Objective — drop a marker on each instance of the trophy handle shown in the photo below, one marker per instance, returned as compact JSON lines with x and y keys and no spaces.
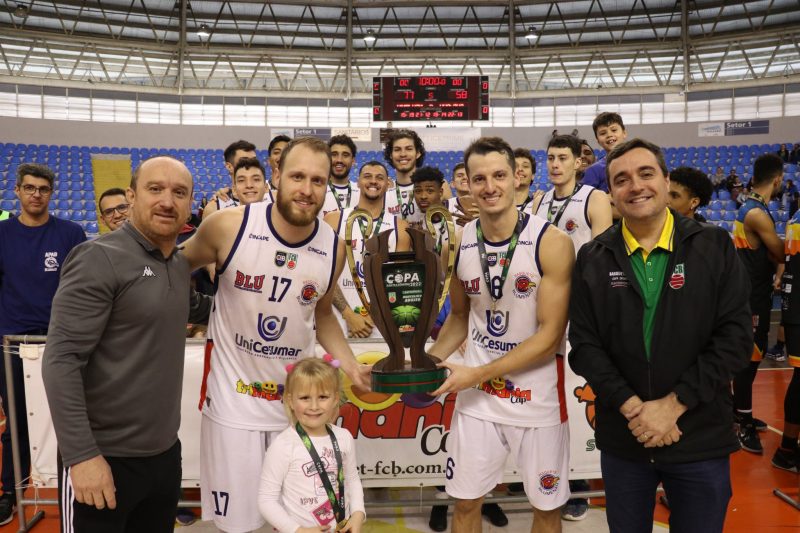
{"x":348,"y":247}
{"x":451,"y":245}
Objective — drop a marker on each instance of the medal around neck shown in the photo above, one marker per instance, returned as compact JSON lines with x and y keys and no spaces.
{"x":405,"y":290}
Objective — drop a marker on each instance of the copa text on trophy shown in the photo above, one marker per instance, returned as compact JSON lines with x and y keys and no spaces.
{"x":406,"y":292}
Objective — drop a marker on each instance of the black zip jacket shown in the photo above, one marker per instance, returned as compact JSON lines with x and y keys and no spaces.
{"x":702,"y":336}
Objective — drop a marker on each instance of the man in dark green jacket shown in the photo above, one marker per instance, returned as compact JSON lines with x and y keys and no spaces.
{"x":659,"y":322}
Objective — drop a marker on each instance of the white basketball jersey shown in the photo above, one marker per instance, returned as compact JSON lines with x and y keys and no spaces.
{"x":268,"y":196}
{"x":263,"y":319}
{"x":224,"y":204}
{"x":532,"y":397}
{"x":388,"y":223}
{"x":574,"y":220}
{"x":342,"y":196}
{"x":400,"y":201}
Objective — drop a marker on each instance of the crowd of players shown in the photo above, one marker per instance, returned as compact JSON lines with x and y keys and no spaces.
{"x":256,"y":228}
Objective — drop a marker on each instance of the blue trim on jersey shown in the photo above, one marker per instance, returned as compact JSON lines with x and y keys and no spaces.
{"x":341,"y":219}
{"x":536,"y":252}
{"x":280,"y":239}
{"x":331,"y":281}
{"x":586,"y":206}
{"x":221,"y":270}
{"x":526,"y":218}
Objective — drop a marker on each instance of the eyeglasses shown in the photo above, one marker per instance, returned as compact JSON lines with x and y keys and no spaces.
{"x":29,"y":189}
{"x":121,"y":209}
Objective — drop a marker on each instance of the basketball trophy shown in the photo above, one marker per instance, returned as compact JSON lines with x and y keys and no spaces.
{"x":406,"y":292}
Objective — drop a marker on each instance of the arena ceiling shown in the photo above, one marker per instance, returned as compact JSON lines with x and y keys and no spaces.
{"x":316,"y":49}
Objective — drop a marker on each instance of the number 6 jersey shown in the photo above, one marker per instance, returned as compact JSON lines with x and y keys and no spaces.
{"x":263,"y":319}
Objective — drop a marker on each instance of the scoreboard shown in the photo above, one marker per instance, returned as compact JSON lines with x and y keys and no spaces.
{"x":433,"y":98}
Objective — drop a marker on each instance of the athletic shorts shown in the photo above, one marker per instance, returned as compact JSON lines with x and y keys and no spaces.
{"x":478,"y":453}
{"x":230,"y":473}
{"x":792,"y":333}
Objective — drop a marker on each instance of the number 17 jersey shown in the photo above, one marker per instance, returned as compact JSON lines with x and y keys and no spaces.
{"x":263,"y":319}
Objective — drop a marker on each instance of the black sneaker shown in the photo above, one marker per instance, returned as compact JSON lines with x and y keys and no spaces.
{"x":786,"y":460}
{"x":438,"y":520}
{"x":495,"y":515}
{"x":8,"y":505}
{"x":759,"y":424}
{"x":775,"y":354}
{"x":748,"y":438}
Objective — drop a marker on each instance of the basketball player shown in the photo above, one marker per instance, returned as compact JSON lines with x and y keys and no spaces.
{"x":276,"y":263}
{"x":373,"y":181}
{"x":341,"y":192}
{"x":461,"y":206}
{"x":577,"y":209}
{"x":511,"y":268}
{"x":233,"y":153}
{"x":404,"y":151}
{"x":526,"y":168}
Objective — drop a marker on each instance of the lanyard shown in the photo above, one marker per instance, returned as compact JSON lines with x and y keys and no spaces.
{"x":400,"y":200}
{"x":376,"y":227}
{"x":524,"y":204}
{"x":336,"y":196}
{"x":561,"y":208}
{"x":495,"y":285}
{"x":337,"y":504}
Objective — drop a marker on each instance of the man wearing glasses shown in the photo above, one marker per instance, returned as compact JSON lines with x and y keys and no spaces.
{"x":33,"y":246}
{"x":113,"y":208}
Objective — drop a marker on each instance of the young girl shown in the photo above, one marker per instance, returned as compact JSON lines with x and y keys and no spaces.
{"x":293,"y":497}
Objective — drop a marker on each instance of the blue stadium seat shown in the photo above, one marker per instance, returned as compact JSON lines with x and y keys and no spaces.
{"x":729,"y":216}
{"x":715,"y":205}
{"x":724,"y":195}
{"x":77,"y":216}
{"x":91,"y":228}
{"x":7,"y":205}
{"x":780,"y":228}
{"x":727,"y":226}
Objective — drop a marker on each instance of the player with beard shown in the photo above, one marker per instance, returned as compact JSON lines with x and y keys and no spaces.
{"x":341,"y":192}
{"x":224,"y":199}
{"x":276,"y":266}
{"x":373,"y":181}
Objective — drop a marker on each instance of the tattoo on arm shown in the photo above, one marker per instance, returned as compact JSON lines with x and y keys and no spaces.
{"x":339,"y":301}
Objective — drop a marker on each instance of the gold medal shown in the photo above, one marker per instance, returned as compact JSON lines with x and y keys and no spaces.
{"x":341,"y":525}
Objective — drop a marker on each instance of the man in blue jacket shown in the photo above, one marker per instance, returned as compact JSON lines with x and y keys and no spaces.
{"x":659,"y":322}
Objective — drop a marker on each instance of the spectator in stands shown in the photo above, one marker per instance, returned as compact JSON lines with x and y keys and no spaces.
{"x":784,"y":154}
{"x":33,"y":246}
{"x":233,"y":153}
{"x":790,"y":197}
{"x":276,"y":147}
{"x":114,"y":361}
{"x":760,"y":249}
{"x":609,"y":131}
{"x":732,"y":181}
{"x":718,"y":181}
{"x":587,"y":159}
{"x":795,"y":155}
{"x":689,"y":189}
{"x":113,"y":208}
{"x":662,"y":411}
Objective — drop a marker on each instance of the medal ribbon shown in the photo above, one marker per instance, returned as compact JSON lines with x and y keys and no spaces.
{"x":400,"y":200}
{"x":337,"y":504}
{"x":496,"y":292}
{"x":336,"y":196}
{"x":561,"y":208}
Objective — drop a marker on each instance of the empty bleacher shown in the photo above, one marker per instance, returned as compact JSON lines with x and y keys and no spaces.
{"x":74,"y":197}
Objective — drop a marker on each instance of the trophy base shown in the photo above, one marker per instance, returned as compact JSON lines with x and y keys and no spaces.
{"x":408,"y":380}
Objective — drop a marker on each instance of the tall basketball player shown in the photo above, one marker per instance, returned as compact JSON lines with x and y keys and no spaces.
{"x":276,"y":265}
{"x":511,"y":268}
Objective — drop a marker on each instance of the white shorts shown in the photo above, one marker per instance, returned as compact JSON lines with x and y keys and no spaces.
{"x":230,"y":473}
{"x":478,"y":453}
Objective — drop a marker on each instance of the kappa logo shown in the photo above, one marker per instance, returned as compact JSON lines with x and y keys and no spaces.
{"x":678,"y":278}
{"x":148,"y":272}
{"x":271,"y":328}
{"x":524,"y":285}
{"x":497,"y":322}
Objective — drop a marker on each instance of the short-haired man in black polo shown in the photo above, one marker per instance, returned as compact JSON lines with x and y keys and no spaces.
{"x":663,"y":409}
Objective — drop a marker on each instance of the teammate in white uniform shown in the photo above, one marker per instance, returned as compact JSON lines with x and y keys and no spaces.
{"x":275,"y":266}
{"x":372,"y":183}
{"x":404,"y":151}
{"x":342,"y":193}
{"x":579,"y":210}
{"x":509,"y":302}
{"x":526,"y":168}
{"x":233,"y":153}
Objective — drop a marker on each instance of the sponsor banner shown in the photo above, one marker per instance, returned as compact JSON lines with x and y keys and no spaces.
{"x":711,"y":129}
{"x":401,"y":439}
{"x":274,"y":132}
{"x":357,"y":134}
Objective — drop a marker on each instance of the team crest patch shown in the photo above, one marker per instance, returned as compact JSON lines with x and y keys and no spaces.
{"x":491,"y":259}
{"x":309,"y":293}
{"x":291,"y":261}
{"x":280,"y":258}
{"x":548,"y":482}
{"x":678,"y":278}
{"x":524,"y":285}
{"x":571,"y":225}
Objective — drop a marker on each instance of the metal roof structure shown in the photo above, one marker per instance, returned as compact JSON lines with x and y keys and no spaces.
{"x":316,"y":49}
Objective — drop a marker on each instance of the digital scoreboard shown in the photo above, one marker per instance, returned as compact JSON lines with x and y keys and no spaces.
{"x":430,"y":98}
